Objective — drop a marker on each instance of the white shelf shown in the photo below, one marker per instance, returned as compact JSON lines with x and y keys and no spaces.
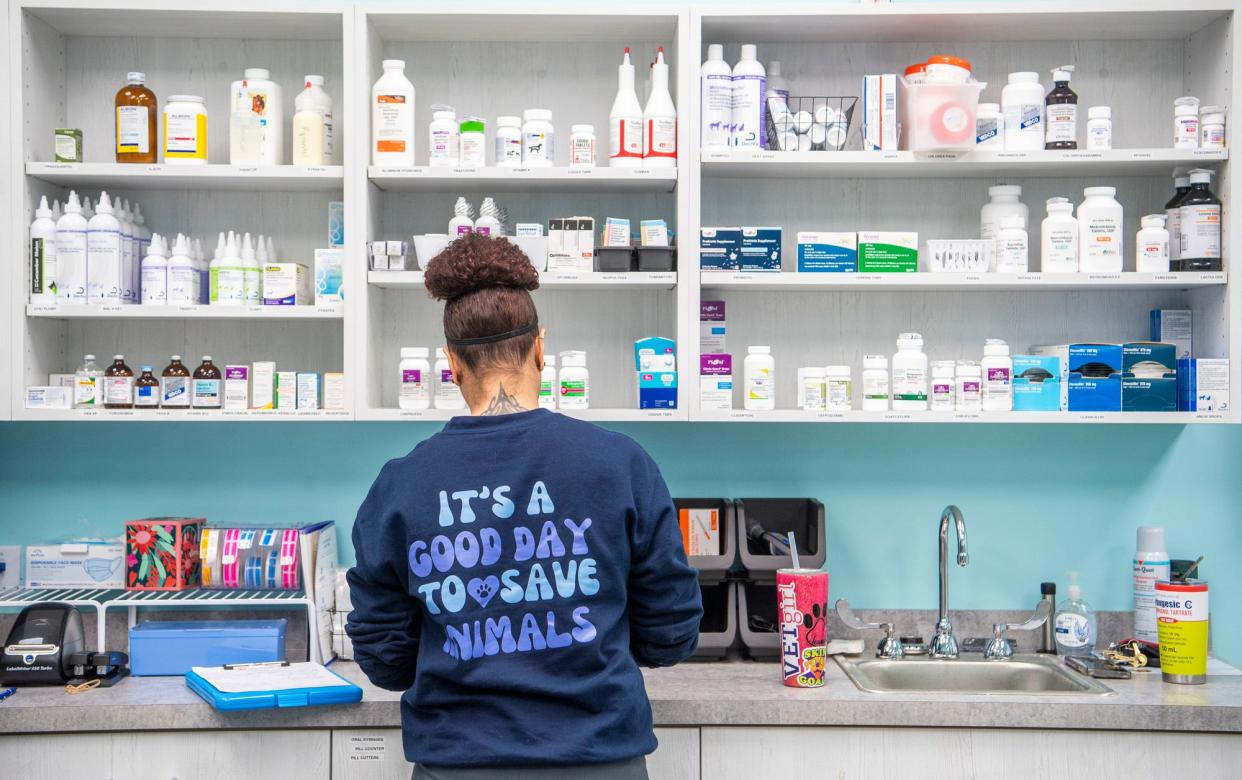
{"x":979,"y":163}
{"x":858,"y":416}
{"x":954,"y":282}
{"x":96,"y":311}
{"x":493,"y":179}
{"x":177,"y":415}
{"x":246,"y":178}
{"x":592,"y":415}
{"x":549,"y":280}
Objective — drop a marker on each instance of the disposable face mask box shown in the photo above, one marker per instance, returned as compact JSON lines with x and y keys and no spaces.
{"x":286,"y":284}
{"x":712,"y":327}
{"x":886,"y":253}
{"x":761,"y":249}
{"x":716,"y":382}
{"x":328,"y":267}
{"x":1203,"y":385}
{"x":1148,"y":377}
{"x":1174,"y":326}
{"x":78,"y":565}
{"x":1061,"y":353}
{"x":720,"y":248}
{"x":1036,"y":383}
{"x":828,"y":252}
{"x":880,"y":112}
{"x":1094,"y":377}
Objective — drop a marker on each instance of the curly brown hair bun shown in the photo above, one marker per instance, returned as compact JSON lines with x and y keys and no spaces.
{"x":485,"y":283}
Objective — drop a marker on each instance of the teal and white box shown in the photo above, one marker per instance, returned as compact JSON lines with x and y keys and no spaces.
{"x":657,"y":389}
{"x":827,"y":252}
{"x":1148,"y":377}
{"x":1061,"y":353}
{"x":336,"y":223}
{"x":1203,"y":385}
{"x":761,"y":249}
{"x":720,"y":248}
{"x":329,"y":265}
{"x":655,"y":353}
{"x":1036,"y":383}
{"x":1094,"y":377}
{"x":1174,"y":326}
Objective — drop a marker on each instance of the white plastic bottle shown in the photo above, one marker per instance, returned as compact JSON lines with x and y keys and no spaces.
{"x":547,"y":383}
{"x":942,"y":389}
{"x":1099,"y":127}
{"x":1186,"y":123}
{"x":989,"y":127}
{"x":228,"y":278}
{"x":142,"y":243}
{"x":185,"y":131}
{"x":538,"y":138}
{"x":776,"y":84}
{"x":472,"y":142}
{"x":313,"y":131}
{"x":443,"y":138}
{"x":625,"y":120}
{"x":1211,"y":127}
{"x":748,"y":129}
{"x":203,"y":266}
{"x":392,"y":117}
{"x":508,"y":142}
{"x":447,"y":393}
{"x":182,"y":275}
{"x":582,"y":146}
{"x":1022,"y":103}
{"x":461,"y":223}
{"x":1075,"y":623}
{"x":43,"y":255}
{"x":759,"y":371}
{"x":251,"y":269}
{"x":245,"y":126}
{"x":1151,"y":564}
{"x":71,"y":253}
{"x":909,"y":385}
{"x":1151,"y":252}
{"x":1101,"y":243}
{"x":574,"y":381}
{"x":103,"y":254}
{"x":1012,"y":251}
{"x":716,"y":100}
{"x":256,"y":110}
{"x":968,"y":386}
{"x":1004,"y":203}
{"x":488,"y":223}
{"x":997,"y":370}
{"x":660,"y":119}
{"x":129,"y":257}
{"x":155,"y":274}
{"x":1059,"y":241}
{"x":415,"y":376}
{"x":875,"y":383}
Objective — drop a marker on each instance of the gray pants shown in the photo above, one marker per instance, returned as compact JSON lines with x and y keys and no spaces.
{"x":633,"y":769}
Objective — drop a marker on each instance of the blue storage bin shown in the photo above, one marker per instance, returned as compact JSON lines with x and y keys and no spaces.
{"x":172,"y":647}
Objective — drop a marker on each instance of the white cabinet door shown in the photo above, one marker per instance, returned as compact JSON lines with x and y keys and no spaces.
{"x":677,"y":757}
{"x":165,"y":755}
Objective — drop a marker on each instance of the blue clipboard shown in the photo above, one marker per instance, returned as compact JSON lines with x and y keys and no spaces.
{"x":346,"y":693}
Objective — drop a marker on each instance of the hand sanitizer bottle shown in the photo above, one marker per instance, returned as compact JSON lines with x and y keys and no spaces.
{"x":1075,"y":623}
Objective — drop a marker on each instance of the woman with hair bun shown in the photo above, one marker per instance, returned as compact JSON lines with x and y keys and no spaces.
{"x":517,"y":568}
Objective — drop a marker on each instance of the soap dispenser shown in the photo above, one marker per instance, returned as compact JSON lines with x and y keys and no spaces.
{"x":1075,"y":622}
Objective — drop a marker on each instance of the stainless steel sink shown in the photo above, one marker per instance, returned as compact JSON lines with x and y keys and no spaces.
{"x":1023,"y":674}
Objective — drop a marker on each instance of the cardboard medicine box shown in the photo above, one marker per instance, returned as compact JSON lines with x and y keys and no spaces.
{"x":716,"y":382}
{"x":75,"y":565}
{"x":162,"y":553}
{"x":1203,"y":385}
{"x":1094,"y":377}
{"x":712,"y":327}
{"x":1148,"y":377}
{"x":888,"y":252}
{"x":761,"y":249}
{"x":1036,"y":383}
{"x":827,"y":252}
{"x":720,"y":248}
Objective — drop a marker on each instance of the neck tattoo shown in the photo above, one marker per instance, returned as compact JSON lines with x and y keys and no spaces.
{"x":503,"y":403}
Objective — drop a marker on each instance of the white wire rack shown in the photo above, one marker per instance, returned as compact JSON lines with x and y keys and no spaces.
{"x":102,"y":600}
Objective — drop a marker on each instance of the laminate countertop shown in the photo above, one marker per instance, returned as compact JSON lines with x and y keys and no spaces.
{"x":731,"y":693}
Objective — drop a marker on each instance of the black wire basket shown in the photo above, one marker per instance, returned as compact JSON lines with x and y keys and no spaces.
{"x":810,"y":123}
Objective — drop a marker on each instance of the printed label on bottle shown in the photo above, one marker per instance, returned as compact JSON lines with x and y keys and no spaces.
{"x":661,"y":138}
{"x":987,"y":132}
{"x":391,"y":115}
{"x":103,"y":269}
{"x":118,"y":390}
{"x":1099,"y":137}
{"x":1011,"y":256}
{"x":749,"y":110}
{"x":1154,"y":251}
{"x":206,"y":393}
{"x":43,"y":267}
{"x":154,"y":285}
{"x":86,"y":391}
{"x":228,"y":284}
{"x":1213,"y":137}
{"x":1146,"y":574}
{"x":1072,"y":629}
{"x":717,"y":109}
{"x":412,"y":386}
{"x":71,"y":264}
{"x":131,"y":130}
{"x":909,"y":384}
{"x":176,"y":391}
{"x":875,"y":388}
{"x":185,"y":135}
{"x":1030,"y":115}
{"x":1061,"y":249}
{"x":65,"y":147}
{"x":444,"y":146}
{"x":146,"y":395}
{"x":508,"y":150}
{"x":572,"y":389}
{"x":998,"y":381}
{"x":538,"y":147}
{"x":1062,"y":122}
{"x":448,"y":395}
{"x":968,"y":394}
{"x":1186,"y":132}
{"x":545,"y":391}
{"x":759,"y":385}
{"x":1200,"y":230}
{"x":582,"y":150}
{"x":1102,"y":240}
{"x":1173,"y":222}
{"x":626,"y":138}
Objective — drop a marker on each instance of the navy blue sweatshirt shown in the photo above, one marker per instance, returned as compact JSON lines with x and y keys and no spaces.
{"x":512,"y":574}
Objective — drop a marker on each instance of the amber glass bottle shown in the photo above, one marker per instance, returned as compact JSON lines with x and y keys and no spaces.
{"x":136,"y":111}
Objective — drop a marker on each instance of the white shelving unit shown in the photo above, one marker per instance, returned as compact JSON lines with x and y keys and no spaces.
{"x":66,"y":59}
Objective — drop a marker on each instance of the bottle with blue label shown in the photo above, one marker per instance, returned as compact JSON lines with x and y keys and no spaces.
{"x":1151,"y":565}
{"x":1075,"y":623}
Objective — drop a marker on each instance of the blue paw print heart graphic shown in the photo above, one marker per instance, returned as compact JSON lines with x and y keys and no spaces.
{"x":482,"y":590}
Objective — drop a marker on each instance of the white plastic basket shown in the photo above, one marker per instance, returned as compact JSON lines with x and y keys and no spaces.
{"x":960,"y":255}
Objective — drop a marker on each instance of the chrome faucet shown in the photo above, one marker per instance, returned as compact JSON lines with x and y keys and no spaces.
{"x":944,"y":643}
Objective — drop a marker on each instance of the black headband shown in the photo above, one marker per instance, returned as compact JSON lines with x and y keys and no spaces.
{"x":522,"y":331}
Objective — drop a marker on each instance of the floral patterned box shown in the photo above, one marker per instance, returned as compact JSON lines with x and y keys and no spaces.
{"x":162,"y":553}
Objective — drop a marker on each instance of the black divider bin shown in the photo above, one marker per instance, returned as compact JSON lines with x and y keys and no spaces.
{"x":718,"y":629}
{"x":803,"y":516}
{"x":712,"y":568}
{"x":757,"y":621}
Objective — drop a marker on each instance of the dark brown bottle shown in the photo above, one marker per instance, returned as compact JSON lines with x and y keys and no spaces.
{"x":176,"y":385}
{"x":206,"y":387}
{"x":118,"y":385}
{"x":146,"y":389}
{"x":1062,"y":112}
{"x":136,"y":111}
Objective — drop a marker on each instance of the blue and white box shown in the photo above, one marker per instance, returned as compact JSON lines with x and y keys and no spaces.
{"x":657,"y":389}
{"x":336,"y":223}
{"x":827,"y":252}
{"x":1174,"y":326}
{"x":1036,"y":383}
{"x":1061,"y":353}
{"x":761,"y":249}
{"x":1203,"y":385}
{"x":716,"y":382}
{"x":720,"y":248}
{"x":1094,"y":377}
{"x":655,"y":353}
{"x":1148,"y":377}
{"x":329,"y":267}
{"x":76,"y":565}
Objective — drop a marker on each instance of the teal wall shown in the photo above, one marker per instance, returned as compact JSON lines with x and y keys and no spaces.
{"x":1038,"y":499}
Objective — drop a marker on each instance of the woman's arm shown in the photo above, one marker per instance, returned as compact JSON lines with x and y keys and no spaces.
{"x":665,"y":604}
{"x":385,"y":622}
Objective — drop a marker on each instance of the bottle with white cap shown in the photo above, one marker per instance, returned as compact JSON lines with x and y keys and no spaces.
{"x":1151,"y":564}
{"x":997,"y":370}
{"x":715,"y":100}
{"x":1099,"y":127}
{"x":251,"y":269}
{"x":182,"y":275}
{"x":759,"y":371}
{"x":228,"y":280}
{"x":103,"y":254}
{"x":260,"y":97}
{"x":909,"y":385}
{"x":415,"y":375}
{"x":749,"y":129}
{"x":1151,"y":254}
{"x":1012,"y":252}
{"x":155,"y":274}
{"x":1062,"y":111}
{"x":1059,"y":238}
{"x":1101,"y":243}
{"x":547,"y":383}
{"x":1186,"y":122}
{"x":447,"y":394}
{"x":1004,"y":202}
{"x":625,"y":120}
{"x":71,"y":253}
{"x":1022,"y":102}
{"x":660,"y":119}
{"x":1200,"y":225}
{"x":43,"y":255}
{"x":574,"y":381}
{"x":392,"y":117}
